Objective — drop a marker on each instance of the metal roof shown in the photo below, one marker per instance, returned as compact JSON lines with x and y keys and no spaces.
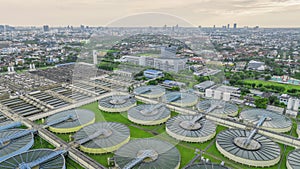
{"x":182,"y":97}
{"x":164,"y":155}
{"x":117,"y":101}
{"x":112,"y":135}
{"x":274,"y":120}
{"x":57,"y":162}
{"x":149,"y":112}
{"x":149,"y":90}
{"x":82,"y":117}
{"x":268,"y":150}
{"x":14,"y":145}
{"x":177,"y":125}
{"x":220,"y":107}
{"x":293,"y":159}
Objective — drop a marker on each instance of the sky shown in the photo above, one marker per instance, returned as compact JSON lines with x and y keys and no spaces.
{"x":264,"y":13}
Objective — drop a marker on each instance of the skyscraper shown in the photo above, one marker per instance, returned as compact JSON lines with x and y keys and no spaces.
{"x":234,"y":25}
{"x":46,"y":28}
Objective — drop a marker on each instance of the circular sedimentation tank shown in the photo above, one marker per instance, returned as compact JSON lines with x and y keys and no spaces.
{"x":80,"y":118}
{"x":160,"y":154}
{"x":150,"y":91}
{"x":57,"y":162}
{"x":293,"y":159}
{"x":207,"y":166}
{"x":109,"y":137}
{"x":274,"y":121}
{"x":218,"y":108}
{"x":149,"y":114}
{"x":259,"y":152}
{"x":191,"y":128}
{"x":11,"y":147}
{"x":180,"y":99}
{"x":117,"y":103}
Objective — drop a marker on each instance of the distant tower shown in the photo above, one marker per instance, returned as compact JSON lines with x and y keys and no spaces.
{"x":234,"y":25}
{"x":95,"y":60}
{"x":82,"y":27}
{"x":214,"y":26}
{"x":228,"y":26}
{"x":46,"y":28}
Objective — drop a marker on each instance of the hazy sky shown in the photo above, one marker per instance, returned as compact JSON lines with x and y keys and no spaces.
{"x":266,"y":13}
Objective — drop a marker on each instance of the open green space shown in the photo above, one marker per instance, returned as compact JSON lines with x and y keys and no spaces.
{"x":266,"y":83}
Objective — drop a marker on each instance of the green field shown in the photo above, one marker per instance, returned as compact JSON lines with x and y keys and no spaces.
{"x":286,"y":86}
{"x":186,"y":149}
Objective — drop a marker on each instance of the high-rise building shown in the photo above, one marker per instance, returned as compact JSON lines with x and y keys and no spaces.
{"x":168,"y":52}
{"x":1,"y":28}
{"x":234,"y":25}
{"x":46,"y":28}
{"x":228,"y":26}
{"x":95,"y":55}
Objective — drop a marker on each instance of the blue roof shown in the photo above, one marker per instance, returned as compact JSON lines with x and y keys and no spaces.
{"x":152,"y":71}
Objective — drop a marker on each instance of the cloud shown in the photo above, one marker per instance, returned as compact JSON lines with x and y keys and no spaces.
{"x":101,"y":12}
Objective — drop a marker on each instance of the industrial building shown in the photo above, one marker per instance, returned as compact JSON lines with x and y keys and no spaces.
{"x":180,"y":99}
{"x":147,"y":114}
{"x":117,"y":103}
{"x":147,"y":154}
{"x":292,"y":108}
{"x":204,"y":85}
{"x":172,"y":64}
{"x":248,"y":148}
{"x":150,"y":91}
{"x":103,"y":137}
{"x":273,"y":121}
{"x":70,"y":121}
{"x":222,"y":92}
{"x":151,"y":74}
{"x":22,"y":107}
{"x":191,"y":128}
{"x":218,"y":108}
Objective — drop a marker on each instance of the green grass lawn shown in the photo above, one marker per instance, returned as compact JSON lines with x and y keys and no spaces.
{"x":293,"y":131}
{"x":286,"y":86}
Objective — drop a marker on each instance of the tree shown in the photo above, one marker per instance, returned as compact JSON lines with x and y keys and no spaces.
{"x":261,"y":103}
{"x":152,"y":82}
{"x":267,"y":78}
{"x":272,"y":99}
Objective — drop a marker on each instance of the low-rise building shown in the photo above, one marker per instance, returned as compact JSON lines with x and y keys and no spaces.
{"x":284,"y":98}
{"x":151,"y":74}
{"x":204,"y":85}
{"x":256,"y":65}
{"x":170,"y":83}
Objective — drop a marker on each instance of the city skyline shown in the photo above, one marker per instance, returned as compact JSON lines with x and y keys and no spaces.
{"x":265,"y":13}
